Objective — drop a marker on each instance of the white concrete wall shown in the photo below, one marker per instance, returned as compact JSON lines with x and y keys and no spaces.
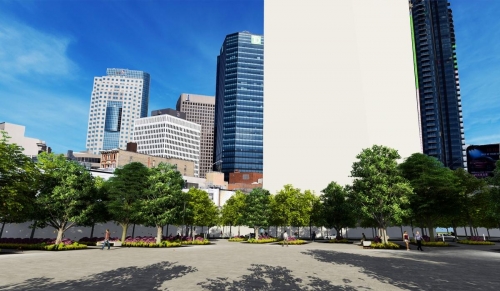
{"x":338,"y":78}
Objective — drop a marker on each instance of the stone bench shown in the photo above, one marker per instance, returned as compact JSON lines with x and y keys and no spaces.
{"x":367,"y":244}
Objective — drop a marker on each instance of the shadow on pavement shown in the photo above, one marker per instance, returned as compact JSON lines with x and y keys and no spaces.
{"x":416,"y":271}
{"x":131,"y":278}
{"x":265,"y":277}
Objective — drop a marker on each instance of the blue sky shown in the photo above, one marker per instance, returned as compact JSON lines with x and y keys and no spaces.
{"x":50,"y":51}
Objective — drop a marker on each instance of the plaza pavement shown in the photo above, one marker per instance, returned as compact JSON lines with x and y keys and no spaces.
{"x":240,"y":266}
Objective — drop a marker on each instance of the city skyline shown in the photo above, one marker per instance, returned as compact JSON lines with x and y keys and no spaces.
{"x":51,"y":54}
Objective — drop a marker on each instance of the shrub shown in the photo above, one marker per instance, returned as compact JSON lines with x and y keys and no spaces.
{"x":293,"y":242}
{"x":44,"y":246}
{"x":474,"y":242}
{"x":388,"y":245}
{"x":237,"y":239}
{"x":433,"y":244}
{"x":198,"y":241}
{"x":262,"y":241}
{"x":163,"y":244}
{"x":344,"y":240}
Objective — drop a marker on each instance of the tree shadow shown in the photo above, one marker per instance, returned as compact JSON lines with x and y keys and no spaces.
{"x":419,"y":272}
{"x":265,"y":277}
{"x":130,"y":278}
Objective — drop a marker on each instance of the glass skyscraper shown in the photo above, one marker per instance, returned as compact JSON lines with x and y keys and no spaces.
{"x":117,"y":100}
{"x":437,"y":81}
{"x":239,"y":103}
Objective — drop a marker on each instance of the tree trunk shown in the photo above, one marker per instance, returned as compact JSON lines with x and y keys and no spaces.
{"x":454,"y":229}
{"x":60,"y":233}
{"x":465,"y":229}
{"x":92,"y":231}
{"x":310,"y":231}
{"x":401,"y":230}
{"x":230,"y":231}
{"x":239,"y":231}
{"x":159,"y":233}
{"x":431,"y":232}
{"x":1,"y":231}
{"x":487,"y":230}
{"x":255,"y":229}
{"x":384,"y":235}
{"x":133,"y":230}
{"x":124,"y":231}
{"x":276,"y":231}
{"x":33,"y":229}
{"x":166,"y":233}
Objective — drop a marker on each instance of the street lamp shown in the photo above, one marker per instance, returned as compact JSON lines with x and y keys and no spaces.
{"x":218,"y":162}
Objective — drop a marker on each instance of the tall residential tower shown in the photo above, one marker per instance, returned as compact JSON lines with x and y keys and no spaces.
{"x":239,"y":103}
{"x":437,"y":85}
{"x":117,"y":100}
{"x":201,"y":110}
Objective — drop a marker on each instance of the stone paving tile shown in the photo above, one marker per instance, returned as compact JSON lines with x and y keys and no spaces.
{"x":237,"y":266}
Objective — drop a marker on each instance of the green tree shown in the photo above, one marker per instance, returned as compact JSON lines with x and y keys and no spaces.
{"x":257,"y":211}
{"x":232,"y":210}
{"x":18,"y":183}
{"x":379,"y":191}
{"x":338,"y":210}
{"x":66,"y":194}
{"x":126,"y":190}
{"x":163,"y":199}
{"x":98,"y":211}
{"x":436,"y":190}
{"x":204,"y":210}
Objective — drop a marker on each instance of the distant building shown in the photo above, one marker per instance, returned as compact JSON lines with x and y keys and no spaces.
{"x":85,"y":158}
{"x":245,"y":181}
{"x":239,"y":103}
{"x":32,"y":146}
{"x":167,"y":136}
{"x":438,"y":83}
{"x":169,"y":111}
{"x":112,"y":159}
{"x":201,"y":110}
{"x":117,"y":100}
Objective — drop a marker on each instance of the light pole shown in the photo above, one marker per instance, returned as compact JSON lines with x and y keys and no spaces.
{"x":218,"y":162}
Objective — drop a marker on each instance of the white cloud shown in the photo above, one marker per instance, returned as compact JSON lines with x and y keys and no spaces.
{"x":25,"y":50}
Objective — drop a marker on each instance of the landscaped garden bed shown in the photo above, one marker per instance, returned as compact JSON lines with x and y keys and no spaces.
{"x":293,"y":241}
{"x":339,"y":241}
{"x":238,"y":239}
{"x":388,"y":245}
{"x":432,"y":244}
{"x":40,"y":244}
{"x":475,"y":240}
{"x":171,"y":241}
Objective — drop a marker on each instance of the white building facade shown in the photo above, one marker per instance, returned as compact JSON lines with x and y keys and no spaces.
{"x":117,"y":100}
{"x":355,"y":89}
{"x":32,"y":146}
{"x":169,"y":137}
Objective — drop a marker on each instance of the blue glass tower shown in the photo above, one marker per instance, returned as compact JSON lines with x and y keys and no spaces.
{"x":437,"y":81}
{"x":239,"y":103}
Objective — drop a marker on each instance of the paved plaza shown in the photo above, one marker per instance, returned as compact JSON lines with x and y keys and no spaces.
{"x":240,"y":266}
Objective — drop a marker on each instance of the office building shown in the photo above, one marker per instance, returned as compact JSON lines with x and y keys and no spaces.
{"x":201,"y":110}
{"x":239,"y":103}
{"x":332,"y":93}
{"x":438,"y":84}
{"x":31,"y":146}
{"x":169,"y":137}
{"x":117,"y":100}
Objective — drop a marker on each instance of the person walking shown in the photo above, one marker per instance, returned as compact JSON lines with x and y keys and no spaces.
{"x":285,"y":239}
{"x":419,"y":238}
{"x":363,"y":238}
{"x":314,"y":236}
{"x":106,"y":240}
{"x":406,"y":239}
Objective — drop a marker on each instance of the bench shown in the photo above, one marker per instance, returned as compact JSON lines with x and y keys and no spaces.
{"x":112,"y":243}
{"x":367,"y":244}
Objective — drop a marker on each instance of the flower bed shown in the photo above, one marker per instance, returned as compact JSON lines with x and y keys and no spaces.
{"x":197,"y":241}
{"x":163,"y":244}
{"x":43,"y":246}
{"x":237,"y":239}
{"x":262,"y":240}
{"x":475,"y":242}
{"x":339,"y":241}
{"x":293,"y":241}
{"x":92,"y":241}
{"x":432,"y":244}
{"x":388,"y":245}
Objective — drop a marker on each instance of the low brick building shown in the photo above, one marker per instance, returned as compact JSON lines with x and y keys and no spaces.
{"x":118,"y":158}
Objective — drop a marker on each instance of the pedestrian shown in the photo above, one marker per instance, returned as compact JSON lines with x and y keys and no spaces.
{"x":363,"y":238}
{"x":406,"y":239}
{"x":313,"y":235}
{"x":285,"y":239}
{"x":106,"y":240}
{"x":418,"y":238}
